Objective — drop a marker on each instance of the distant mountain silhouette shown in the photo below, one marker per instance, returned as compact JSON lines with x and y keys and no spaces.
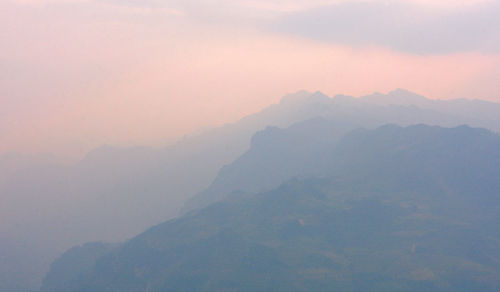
{"x":114,"y":193}
{"x":340,"y":114}
{"x":481,"y":113}
{"x":399,"y":209}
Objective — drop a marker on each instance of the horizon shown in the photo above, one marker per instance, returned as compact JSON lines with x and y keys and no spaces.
{"x":77,"y":74}
{"x":73,"y":158}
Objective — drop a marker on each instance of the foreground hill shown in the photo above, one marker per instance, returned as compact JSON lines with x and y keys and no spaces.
{"x":401,"y":209}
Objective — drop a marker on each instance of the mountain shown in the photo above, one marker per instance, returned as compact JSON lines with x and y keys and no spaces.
{"x":401,"y":209}
{"x":480,"y":113}
{"x":76,"y":260}
{"x":342,"y":114}
{"x":275,"y":156}
{"x":113,"y":193}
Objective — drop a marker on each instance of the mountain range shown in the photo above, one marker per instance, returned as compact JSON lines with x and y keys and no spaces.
{"x":113,"y":194}
{"x":391,"y":209}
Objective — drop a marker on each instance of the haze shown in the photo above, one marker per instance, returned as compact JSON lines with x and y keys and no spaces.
{"x":135,"y":133}
{"x":77,"y":74}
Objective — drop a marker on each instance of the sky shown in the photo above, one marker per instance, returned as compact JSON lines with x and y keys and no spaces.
{"x":77,"y":74}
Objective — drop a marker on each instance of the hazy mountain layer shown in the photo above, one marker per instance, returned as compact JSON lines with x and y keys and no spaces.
{"x":277,"y":155}
{"x":402,"y":209}
{"x":113,"y":194}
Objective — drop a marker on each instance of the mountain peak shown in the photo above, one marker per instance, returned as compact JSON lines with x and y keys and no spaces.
{"x":398,"y":91}
{"x":303,"y":96}
{"x":406,"y":94}
{"x":398,"y":96}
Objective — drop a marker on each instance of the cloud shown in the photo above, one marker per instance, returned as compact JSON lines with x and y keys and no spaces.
{"x":406,"y":27}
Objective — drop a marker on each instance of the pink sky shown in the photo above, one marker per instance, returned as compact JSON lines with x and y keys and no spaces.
{"x":78,"y":74}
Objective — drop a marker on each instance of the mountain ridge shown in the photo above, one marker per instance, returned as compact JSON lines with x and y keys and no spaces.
{"x":116,"y":193}
{"x":335,"y":231}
